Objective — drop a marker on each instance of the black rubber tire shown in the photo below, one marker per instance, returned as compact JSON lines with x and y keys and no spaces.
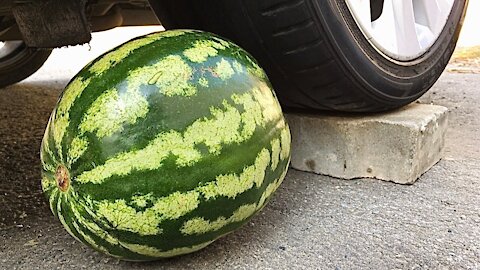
{"x":21,"y":63}
{"x":314,"y":53}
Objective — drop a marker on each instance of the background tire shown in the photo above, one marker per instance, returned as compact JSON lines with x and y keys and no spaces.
{"x":315,"y":53}
{"x":17,"y":61}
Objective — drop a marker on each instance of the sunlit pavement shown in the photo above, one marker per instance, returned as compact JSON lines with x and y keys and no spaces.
{"x":470,"y":35}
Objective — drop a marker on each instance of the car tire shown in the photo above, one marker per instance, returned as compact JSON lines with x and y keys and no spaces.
{"x":315,"y":53}
{"x":17,"y":61}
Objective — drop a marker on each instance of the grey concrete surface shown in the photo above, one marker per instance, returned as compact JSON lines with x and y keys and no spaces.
{"x":397,"y":146}
{"x":313,"y":222}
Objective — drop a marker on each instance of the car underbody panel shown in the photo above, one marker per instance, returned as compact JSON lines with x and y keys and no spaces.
{"x":52,"y":23}
{"x":57,"y":23}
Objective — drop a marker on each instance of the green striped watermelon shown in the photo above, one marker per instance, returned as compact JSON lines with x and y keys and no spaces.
{"x":163,"y":145}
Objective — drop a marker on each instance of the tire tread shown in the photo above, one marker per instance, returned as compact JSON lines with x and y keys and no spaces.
{"x":339,"y":94}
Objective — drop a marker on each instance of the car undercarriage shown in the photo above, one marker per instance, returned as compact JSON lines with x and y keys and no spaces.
{"x":56,"y":23}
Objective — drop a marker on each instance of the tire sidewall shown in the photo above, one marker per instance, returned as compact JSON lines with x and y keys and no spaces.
{"x":22,"y":63}
{"x":385,"y":78}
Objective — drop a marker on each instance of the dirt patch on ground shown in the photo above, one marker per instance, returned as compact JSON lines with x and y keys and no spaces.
{"x":465,"y":60}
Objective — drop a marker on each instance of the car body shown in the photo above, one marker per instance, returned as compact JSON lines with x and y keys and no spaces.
{"x":352,"y":55}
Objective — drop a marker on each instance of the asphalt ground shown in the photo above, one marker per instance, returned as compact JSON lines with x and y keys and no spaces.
{"x":313,"y":222}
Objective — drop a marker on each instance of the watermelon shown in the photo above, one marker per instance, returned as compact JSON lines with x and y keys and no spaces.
{"x":162,"y":145}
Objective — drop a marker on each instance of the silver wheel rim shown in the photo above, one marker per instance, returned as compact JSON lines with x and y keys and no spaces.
{"x":8,"y":47}
{"x":406,"y":29}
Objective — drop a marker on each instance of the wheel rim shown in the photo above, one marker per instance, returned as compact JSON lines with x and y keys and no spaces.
{"x":7,"y":48}
{"x":401,"y":29}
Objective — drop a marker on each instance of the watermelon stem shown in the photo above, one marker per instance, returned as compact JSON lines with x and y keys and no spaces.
{"x":62,"y":176}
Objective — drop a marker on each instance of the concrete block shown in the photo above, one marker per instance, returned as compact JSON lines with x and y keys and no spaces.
{"x":397,"y":146}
